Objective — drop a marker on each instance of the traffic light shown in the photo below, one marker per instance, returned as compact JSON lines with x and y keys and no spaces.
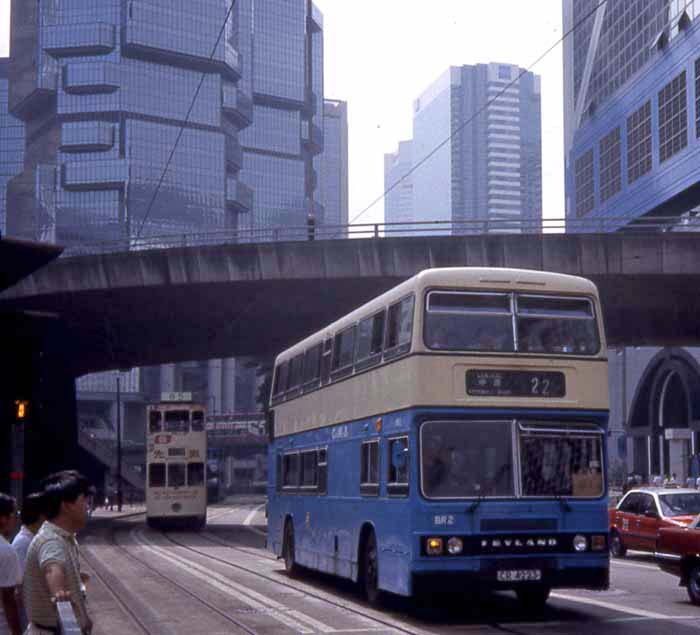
{"x":21,"y":409}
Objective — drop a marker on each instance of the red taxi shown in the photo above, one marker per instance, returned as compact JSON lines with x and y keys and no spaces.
{"x":638,"y":517}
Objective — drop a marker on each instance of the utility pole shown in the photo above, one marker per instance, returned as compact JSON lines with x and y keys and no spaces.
{"x":119,"y":443}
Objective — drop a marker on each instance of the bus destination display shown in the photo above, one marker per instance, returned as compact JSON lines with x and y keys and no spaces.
{"x":515,"y":383}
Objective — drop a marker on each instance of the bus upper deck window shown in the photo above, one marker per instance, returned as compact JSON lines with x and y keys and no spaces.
{"x":399,"y":326}
{"x":177,"y":421}
{"x":556,"y":325}
{"x":459,"y":320}
{"x":155,"y":422}
{"x":197,"y":421}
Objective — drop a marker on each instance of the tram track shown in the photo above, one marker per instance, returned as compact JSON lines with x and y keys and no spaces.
{"x":317,"y":596}
{"x":119,"y":592}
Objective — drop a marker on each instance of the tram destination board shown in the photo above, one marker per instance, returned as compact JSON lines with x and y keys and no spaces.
{"x":514,"y":383}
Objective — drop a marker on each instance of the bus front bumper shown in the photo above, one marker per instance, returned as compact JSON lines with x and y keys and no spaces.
{"x":512,"y":573}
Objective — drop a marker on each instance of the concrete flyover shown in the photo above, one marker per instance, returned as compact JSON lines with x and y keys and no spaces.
{"x":157,"y":306}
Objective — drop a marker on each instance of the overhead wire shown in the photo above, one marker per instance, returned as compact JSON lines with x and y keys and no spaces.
{"x":486,"y":104}
{"x":186,"y":121}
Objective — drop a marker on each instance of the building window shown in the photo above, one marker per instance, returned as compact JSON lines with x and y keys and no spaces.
{"x":673,"y":120}
{"x":639,"y":143}
{"x":610,"y":177}
{"x":697,"y":97}
{"x":585,"y":188}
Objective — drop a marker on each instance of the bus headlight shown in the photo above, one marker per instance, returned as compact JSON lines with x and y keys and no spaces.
{"x":455,"y":546}
{"x":598,"y":543}
{"x":433,"y":546}
{"x":580,"y":543}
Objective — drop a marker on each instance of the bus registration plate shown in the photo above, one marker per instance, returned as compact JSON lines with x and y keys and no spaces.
{"x":519,"y":575}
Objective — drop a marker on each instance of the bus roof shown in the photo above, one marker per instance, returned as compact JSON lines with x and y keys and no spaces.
{"x":491,"y":278}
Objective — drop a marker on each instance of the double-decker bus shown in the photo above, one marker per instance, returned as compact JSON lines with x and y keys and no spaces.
{"x":450,"y":432}
{"x":176,"y":454}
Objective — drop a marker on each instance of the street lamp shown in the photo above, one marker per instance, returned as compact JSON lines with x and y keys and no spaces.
{"x":119,"y":443}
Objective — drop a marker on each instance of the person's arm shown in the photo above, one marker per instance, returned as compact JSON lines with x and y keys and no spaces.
{"x":56,"y":580}
{"x":9,"y":605}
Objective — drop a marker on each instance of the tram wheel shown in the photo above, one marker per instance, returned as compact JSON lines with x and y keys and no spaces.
{"x":290,"y":563}
{"x":370,"y":571}
{"x":617,"y":548}
{"x":533,"y":598}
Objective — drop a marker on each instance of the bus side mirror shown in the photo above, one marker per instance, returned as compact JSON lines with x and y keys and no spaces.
{"x":270,"y":425}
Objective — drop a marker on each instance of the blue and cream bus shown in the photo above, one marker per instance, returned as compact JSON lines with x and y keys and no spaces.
{"x":450,"y":432}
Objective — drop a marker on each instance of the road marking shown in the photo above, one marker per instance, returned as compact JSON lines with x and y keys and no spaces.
{"x":255,"y":600}
{"x":611,"y":606}
{"x":249,"y":519}
{"x":635,"y":565}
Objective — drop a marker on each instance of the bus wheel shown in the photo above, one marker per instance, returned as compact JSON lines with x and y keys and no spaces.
{"x":370,"y":570}
{"x":617,"y":549}
{"x":533,"y":598}
{"x":290,"y":564}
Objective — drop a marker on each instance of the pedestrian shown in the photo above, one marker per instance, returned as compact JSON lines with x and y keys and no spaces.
{"x":9,"y":569}
{"x":32,"y":516}
{"x":52,"y":570}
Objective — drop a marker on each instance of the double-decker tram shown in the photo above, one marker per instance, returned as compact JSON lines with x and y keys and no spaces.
{"x":176,"y":490}
{"x":451,"y":432}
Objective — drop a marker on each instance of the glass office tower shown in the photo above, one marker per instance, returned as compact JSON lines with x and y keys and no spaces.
{"x":631,"y":116}
{"x":281,"y":148}
{"x":398,"y":183}
{"x":105,"y":89}
{"x":334,"y":167}
{"x":11,"y":141}
{"x":477,"y":139}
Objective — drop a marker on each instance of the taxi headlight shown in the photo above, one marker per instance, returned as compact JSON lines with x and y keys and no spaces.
{"x":433,"y":546}
{"x":580,"y":543}
{"x":455,"y":546}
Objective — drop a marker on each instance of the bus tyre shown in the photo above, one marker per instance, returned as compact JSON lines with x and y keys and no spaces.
{"x":370,"y":571}
{"x":694,"y":584}
{"x":290,"y":563}
{"x":617,"y":548}
{"x":533,"y":598}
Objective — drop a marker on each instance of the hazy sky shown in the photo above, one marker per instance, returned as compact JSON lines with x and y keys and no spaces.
{"x":381,"y":54}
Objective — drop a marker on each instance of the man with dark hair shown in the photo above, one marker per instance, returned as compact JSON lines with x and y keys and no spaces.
{"x":52,"y":570}
{"x":9,"y":568}
{"x":32,"y":517}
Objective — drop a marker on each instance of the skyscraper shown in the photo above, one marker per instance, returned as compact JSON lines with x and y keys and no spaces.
{"x":104,"y":89}
{"x":281,"y":148}
{"x":398,"y":203}
{"x":333,"y":182}
{"x":11,"y":141}
{"x":631,"y":116}
{"x":477,"y":148}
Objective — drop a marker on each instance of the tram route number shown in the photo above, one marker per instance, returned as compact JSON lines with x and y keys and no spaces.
{"x":514,"y":383}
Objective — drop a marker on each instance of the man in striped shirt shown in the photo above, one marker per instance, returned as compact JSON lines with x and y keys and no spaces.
{"x":52,"y":569}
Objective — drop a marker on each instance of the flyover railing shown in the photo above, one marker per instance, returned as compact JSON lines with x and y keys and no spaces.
{"x":594,"y":225}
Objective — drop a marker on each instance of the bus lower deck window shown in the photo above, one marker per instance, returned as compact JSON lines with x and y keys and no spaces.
{"x":176,"y":474}
{"x":195,"y":474}
{"x":156,"y":475}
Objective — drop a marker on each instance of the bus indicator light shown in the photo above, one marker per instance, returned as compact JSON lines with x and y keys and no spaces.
{"x":433,"y":546}
{"x":21,"y":407}
{"x":378,"y":425}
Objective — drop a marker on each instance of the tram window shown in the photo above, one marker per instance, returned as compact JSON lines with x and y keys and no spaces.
{"x":399,"y":327}
{"x":397,"y":478}
{"x":322,"y":471}
{"x":197,"y":421}
{"x":343,"y":349}
{"x":370,"y":335}
{"x":195,"y":474}
{"x":156,"y":475}
{"x":290,"y":470}
{"x":309,"y":469}
{"x":177,"y":421}
{"x":155,"y":421}
{"x":369,"y":468}
{"x":176,"y":474}
{"x":556,"y":325}
{"x":312,"y":365}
